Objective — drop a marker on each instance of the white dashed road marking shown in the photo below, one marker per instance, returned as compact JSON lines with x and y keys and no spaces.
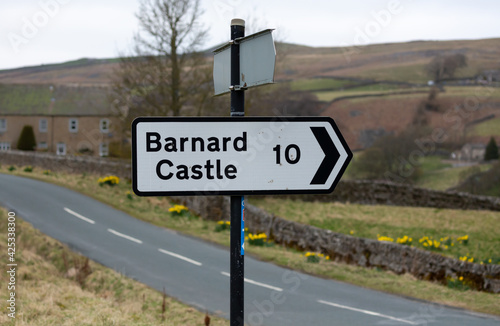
{"x":173,"y":254}
{"x":275,"y":288}
{"x":367,"y":312}
{"x":125,"y":236}
{"x":81,"y":217}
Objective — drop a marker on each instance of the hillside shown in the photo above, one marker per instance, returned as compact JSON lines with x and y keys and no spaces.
{"x":83,"y":72}
{"x":369,"y":90}
{"x":395,"y":61}
{"x":363,"y":119}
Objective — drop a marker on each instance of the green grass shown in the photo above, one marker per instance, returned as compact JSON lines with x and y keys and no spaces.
{"x":349,"y":173}
{"x":319,"y":84}
{"x":486,"y":129}
{"x":494,"y":191}
{"x":413,"y":73}
{"x":340,"y":217}
{"x":435,"y":174}
{"x":379,"y":87}
{"x":483,"y":93}
{"x":438,"y":175}
{"x":432,"y":164}
{"x":47,"y":295}
{"x":443,"y":179}
{"x":390,"y":90}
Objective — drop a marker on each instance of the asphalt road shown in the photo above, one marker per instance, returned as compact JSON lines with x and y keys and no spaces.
{"x":197,"y":273}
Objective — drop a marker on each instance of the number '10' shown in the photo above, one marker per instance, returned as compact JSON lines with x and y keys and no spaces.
{"x":289,"y":158}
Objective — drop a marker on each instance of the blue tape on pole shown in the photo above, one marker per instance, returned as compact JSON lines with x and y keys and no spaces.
{"x":242,"y":225}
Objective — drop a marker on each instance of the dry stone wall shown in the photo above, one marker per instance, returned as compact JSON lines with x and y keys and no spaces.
{"x":389,"y":193}
{"x":68,"y":163}
{"x":390,"y":256}
{"x":397,"y":258}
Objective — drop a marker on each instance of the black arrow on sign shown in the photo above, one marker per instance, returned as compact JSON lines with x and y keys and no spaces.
{"x":332,"y":155}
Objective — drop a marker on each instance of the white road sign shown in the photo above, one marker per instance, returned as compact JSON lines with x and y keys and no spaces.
{"x":257,"y":61}
{"x":236,"y":156}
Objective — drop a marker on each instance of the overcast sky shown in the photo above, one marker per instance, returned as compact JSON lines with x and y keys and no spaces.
{"x":34,"y":32}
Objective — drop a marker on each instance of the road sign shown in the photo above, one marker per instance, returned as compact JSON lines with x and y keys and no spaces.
{"x":257,"y":61}
{"x":237,"y":156}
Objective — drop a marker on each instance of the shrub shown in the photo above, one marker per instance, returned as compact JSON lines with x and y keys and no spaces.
{"x":28,"y":169}
{"x":491,"y":152}
{"x":389,"y":158}
{"x":27,"y":140}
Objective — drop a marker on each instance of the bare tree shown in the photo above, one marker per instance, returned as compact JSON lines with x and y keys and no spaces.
{"x":279,"y":99}
{"x":445,"y":66}
{"x":164,"y":70}
{"x":390,"y":157}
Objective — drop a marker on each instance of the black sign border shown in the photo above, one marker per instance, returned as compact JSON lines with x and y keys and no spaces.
{"x":234,"y":192}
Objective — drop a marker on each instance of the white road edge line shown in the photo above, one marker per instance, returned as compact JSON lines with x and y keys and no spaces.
{"x":88,"y":220}
{"x":275,"y":288}
{"x":173,"y":254}
{"x":125,"y":236}
{"x":367,"y":312}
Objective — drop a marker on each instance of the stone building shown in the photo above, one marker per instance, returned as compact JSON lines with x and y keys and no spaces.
{"x":471,"y":152}
{"x":62,"y":134}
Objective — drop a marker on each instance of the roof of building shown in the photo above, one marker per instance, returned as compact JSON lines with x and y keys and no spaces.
{"x":46,"y":99}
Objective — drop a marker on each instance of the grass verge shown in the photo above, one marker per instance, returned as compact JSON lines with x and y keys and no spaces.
{"x":54,"y":286}
{"x":156,"y":211}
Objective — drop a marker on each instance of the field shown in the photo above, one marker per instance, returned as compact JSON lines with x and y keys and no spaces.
{"x":485,"y":129}
{"x":435,"y":172}
{"x":362,"y":220}
{"x":372,"y":90}
{"x":442,"y":176}
{"x":48,"y":292}
{"x":396,"y":222}
{"x":315,"y":84}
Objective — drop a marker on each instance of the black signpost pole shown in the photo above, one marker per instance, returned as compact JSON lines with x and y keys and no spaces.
{"x":237,"y":202}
